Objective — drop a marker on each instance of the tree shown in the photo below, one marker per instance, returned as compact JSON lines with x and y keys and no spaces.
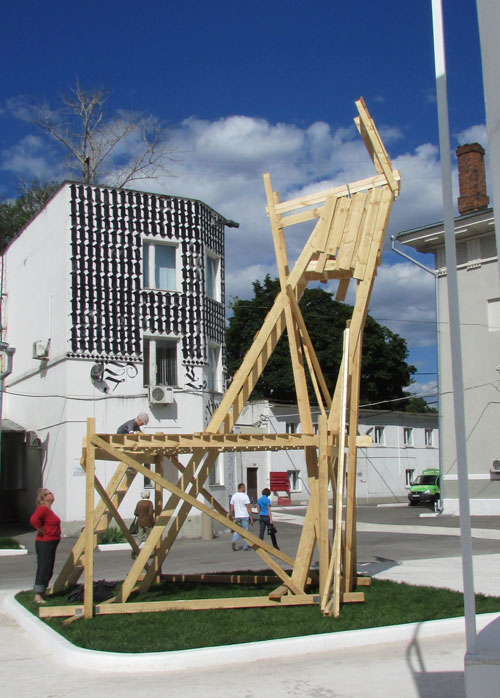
{"x":100,"y":150}
{"x":384,"y":370}
{"x":15,"y":214}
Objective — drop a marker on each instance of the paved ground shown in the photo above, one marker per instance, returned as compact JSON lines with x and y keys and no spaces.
{"x":395,"y":543}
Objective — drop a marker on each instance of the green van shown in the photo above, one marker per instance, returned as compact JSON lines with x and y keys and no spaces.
{"x":425,"y":488}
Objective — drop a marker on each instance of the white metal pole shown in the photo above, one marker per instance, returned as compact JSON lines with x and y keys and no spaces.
{"x":454,"y":319}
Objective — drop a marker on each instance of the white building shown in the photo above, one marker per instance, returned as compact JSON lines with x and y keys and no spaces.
{"x":404,"y":444}
{"x":114,"y":302}
{"x":479,"y":308}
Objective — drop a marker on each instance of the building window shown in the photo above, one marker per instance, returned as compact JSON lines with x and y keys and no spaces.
{"x":213,"y":369}
{"x":212,"y":277}
{"x":216,"y":476}
{"x":148,"y":483}
{"x":408,"y":436}
{"x":493,"y":314}
{"x":409,"y":473}
{"x":160,"y":362}
{"x":428,"y":437}
{"x":294,"y":480}
{"x":159,"y":266}
{"x":378,"y":436}
{"x":291,"y":427}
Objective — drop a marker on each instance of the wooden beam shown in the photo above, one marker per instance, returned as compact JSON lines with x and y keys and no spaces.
{"x":88,"y":597}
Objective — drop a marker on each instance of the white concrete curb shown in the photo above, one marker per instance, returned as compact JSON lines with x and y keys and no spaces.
{"x":22,"y":550}
{"x":227,"y":654}
{"x":110,"y":547}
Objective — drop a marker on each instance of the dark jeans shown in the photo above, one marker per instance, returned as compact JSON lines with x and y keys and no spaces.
{"x":264,"y":522}
{"x":45,"y":558}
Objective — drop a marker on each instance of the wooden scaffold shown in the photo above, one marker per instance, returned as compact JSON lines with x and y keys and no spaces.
{"x":345,"y":244}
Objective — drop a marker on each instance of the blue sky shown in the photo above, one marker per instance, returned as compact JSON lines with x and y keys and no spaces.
{"x":253,"y":87}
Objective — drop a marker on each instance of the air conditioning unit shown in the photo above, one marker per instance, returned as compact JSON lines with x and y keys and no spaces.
{"x":41,"y":349}
{"x":160,"y":395}
{"x":495,"y":469}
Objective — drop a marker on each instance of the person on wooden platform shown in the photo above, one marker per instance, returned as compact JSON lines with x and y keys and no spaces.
{"x":241,"y":513}
{"x":134,"y":424}
{"x":48,"y":528}
{"x":145,"y":517}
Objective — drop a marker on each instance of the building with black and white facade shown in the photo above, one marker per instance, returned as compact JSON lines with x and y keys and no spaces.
{"x":114,"y":302}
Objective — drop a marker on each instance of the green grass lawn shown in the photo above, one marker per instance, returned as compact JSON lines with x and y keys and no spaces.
{"x":387,"y":603}
{"x":9,"y":543}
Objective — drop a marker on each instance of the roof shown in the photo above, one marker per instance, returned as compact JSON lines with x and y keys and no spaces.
{"x":9,"y":425}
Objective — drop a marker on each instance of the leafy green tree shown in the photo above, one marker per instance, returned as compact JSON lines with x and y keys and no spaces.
{"x":15,"y":214}
{"x":384,"y":370}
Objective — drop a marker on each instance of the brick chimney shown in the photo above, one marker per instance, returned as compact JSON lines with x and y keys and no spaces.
{"x":471,"y":178}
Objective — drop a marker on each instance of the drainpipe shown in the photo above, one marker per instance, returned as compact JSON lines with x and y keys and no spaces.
{"x":9,"y":353}
{"x":435,"y":274}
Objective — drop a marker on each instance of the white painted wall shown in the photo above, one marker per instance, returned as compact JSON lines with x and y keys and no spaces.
{"x":381,"y":469}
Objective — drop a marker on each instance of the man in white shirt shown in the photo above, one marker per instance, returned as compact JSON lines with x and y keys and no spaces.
{"x":241,"y":513}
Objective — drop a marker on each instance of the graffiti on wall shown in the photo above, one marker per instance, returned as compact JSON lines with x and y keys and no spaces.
{"x":106,"y":376}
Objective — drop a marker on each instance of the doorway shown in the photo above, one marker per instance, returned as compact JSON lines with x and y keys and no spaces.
{"x":252,"y":484}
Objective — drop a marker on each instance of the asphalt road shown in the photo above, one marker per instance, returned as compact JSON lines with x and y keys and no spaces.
{"x":385,"y":535}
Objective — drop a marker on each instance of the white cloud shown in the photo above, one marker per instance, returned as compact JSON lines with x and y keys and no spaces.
{"x":29,"y":158}
{"x":473,"y":134}
{"x":403,"y":299}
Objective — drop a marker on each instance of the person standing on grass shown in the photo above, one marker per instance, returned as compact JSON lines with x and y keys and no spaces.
{"x":265,"y":516}
{"x":48,"y":527}
{"x":145,"y":517}
{"x":241,"y":513}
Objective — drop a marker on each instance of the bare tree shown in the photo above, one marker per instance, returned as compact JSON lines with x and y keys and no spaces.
{"x":100,"y":150}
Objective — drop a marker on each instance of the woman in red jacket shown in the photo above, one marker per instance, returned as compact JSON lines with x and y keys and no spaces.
{"x":48,"y":527}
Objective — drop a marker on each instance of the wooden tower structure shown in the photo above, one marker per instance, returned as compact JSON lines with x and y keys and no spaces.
{"x":349,"y":224}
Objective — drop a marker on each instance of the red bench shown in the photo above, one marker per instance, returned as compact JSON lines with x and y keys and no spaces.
{"x":279,"y":482}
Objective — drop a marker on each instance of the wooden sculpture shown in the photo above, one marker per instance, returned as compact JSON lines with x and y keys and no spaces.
{"x":345,"y":244}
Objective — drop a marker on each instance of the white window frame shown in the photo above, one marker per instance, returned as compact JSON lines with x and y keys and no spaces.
{"x":149,"y":247}
{"x":216,"y":475}
{"x":151,"y":377}
{"x":378,"y":435}
{"x":214,"y":261}
{"x":407,"y":436}
{"x":213,"y":369}
{"x":409,"y":476}
{"x":429,"y":437}
{"x":295,"y":481}
{"x":291,"y":427}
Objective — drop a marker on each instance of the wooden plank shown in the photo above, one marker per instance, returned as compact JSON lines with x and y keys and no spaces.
{"x":336,"y":229}
{"x":302,"y":217}
{"x":324,"y":534}
{"x":350,"y":517}
{"x":368,"y":231}
{"x":375,"y":146}
{"x":351,"y":230}
{"x":88,"y":596}
{"x":225,"y":578}
{"x":363,"y":581}
{"x":342,"y":289}
{"x":342,"y":190}
{"x":191,"y":605}
{"x":337,"y":542}
{"x":277,"y":594}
